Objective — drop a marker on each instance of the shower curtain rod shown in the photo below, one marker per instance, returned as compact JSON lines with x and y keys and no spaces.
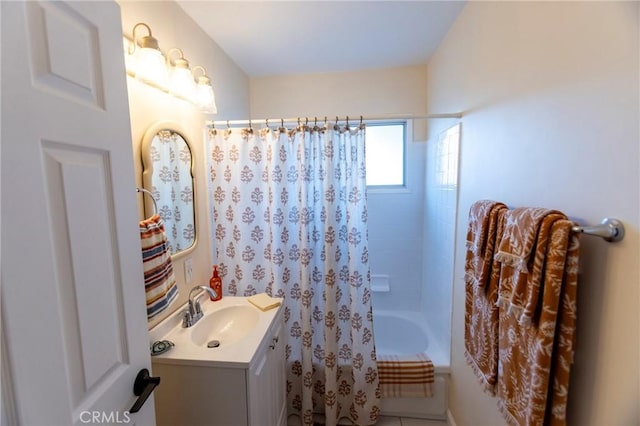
{"x":350,"y":118}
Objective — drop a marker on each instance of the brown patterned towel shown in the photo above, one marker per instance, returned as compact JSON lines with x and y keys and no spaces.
{"x":521,"y":230}
{"x":405,"y":376}
{"x":518,"y":291}
{"x":565,"y":342}
{"x":486,"y":222}
{"x":159,"y":280}
{"x":535,"y":358}
{"x":480,"y":241}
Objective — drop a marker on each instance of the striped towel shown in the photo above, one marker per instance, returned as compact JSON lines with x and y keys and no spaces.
{"x":159,"y":280}
{"x":405,"y":376}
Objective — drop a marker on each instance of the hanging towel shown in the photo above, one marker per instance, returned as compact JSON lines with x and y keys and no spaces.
{"x":486,"y":222}
{"x":535,"y":356}
{"x":159,"y":280}
{"x":565,"y":342}
{"x":481,"y":240}
{"x":521,"y":230}
{"x":522,"y":267}
{"x":405,"y":376}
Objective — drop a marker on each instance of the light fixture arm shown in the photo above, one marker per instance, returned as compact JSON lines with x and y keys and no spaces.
{"x":180,"y":61}
{"x":147,"y":41}
{"x":204,"y":78}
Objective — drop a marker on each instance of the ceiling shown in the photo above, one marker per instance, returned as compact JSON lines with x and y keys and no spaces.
{"x":290,"y":37}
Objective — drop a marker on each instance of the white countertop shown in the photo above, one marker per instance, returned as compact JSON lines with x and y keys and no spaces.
{"x":238,"y":354}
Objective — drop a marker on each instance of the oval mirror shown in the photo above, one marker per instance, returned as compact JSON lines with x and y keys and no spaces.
{"x":167,"y":162}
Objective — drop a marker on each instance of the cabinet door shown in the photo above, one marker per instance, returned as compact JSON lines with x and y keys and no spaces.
{"x":266,"y":381}
{"x":278,"y":378}
{"x":259,"y":395}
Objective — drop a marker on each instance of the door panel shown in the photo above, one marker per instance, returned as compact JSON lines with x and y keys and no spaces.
{"x":74,"y":176}
{"x":64,"y":52}
{"x":73,"y":306}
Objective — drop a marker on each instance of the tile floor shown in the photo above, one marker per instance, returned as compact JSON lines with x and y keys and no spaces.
{"x":405,"y":421}
{"x":382,"y":421}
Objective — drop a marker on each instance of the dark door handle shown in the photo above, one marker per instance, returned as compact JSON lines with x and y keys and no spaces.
{"x":142,"y":388}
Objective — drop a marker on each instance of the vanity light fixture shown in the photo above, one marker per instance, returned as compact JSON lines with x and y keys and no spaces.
{"x":205,"y":99}
{"x":144,"y":61}
{"x":181,"y":82}
{"x":147,"y":58}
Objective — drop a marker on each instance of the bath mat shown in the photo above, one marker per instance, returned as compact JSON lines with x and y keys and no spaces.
{"x":405,"y":376}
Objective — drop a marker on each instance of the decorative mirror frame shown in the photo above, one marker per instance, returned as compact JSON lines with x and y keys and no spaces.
{"x":147,"y":171}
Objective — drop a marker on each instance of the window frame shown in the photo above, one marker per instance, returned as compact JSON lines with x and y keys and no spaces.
{"x":406,"y":132}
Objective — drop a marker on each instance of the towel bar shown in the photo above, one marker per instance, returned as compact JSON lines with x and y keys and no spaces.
{"x":610,"y":229}
{"x":146,"y":191}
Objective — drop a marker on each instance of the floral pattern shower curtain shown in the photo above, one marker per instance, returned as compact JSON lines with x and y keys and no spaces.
{"x":290,"y":219}
{"x":172,"y":188}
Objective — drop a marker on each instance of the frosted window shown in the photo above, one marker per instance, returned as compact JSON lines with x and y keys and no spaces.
{"x":385,"y":154}
{"x":447,"y":158}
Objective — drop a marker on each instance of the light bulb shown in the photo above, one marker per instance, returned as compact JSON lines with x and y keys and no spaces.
{"x":148,"y":60}
{"x":150,"y":66}
{"x":182,"y":83}
{"x":205,"y":99}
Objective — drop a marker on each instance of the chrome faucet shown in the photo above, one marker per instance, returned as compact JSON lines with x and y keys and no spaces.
{"x":194,"y":313}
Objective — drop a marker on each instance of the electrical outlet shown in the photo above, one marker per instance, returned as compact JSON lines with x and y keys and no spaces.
{"x":188,"y":270}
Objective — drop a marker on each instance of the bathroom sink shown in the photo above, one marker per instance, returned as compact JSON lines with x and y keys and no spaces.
{"x":236,"y":324}
{"x":226,"y":325}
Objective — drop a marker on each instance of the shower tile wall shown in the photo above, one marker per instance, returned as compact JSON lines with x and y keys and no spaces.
{"x":395,"y":235}
{"x":412,"y":234}
{"x":439,"y":232}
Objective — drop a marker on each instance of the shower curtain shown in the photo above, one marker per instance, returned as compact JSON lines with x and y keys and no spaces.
{"x":172,"y":188}
{"x":290,"y":217}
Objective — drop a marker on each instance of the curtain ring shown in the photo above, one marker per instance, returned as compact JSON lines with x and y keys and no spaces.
{"x":266,"y":120}
{"x":228,"y":127}
{"x":325,"y":121}
{"x":306,"y":121}
{"x":361,"y":120}
{"x":281,"y":122}
{"x":337,"y":120}
{"x":347,"y":121}
{"x":298,"y":121}
{"x":315,"y":121}
{"x":249,"y":123}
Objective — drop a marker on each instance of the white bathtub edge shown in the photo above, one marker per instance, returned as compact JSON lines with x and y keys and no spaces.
{"x":434,"y":408}
{"x":451,"y":421}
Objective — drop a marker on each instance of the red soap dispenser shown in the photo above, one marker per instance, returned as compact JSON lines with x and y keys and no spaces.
{"x":216,"y":284}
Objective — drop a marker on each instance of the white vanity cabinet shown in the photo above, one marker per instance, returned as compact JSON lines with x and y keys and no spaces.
{"x":225,"y":394}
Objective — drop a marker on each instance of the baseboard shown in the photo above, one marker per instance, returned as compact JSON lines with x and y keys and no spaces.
{"x":450,"y":420}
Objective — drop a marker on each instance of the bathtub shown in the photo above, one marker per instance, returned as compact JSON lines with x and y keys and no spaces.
{"x":406,"y":333}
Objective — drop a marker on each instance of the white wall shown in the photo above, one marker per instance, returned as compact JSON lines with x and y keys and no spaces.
{"x":173,"y":28}
{"x":395,"y":219}
{"x":551,"y":98}
{"x":366,"y":92}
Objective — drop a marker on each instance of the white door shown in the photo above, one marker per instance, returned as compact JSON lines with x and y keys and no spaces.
{"x":73,"y":307}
